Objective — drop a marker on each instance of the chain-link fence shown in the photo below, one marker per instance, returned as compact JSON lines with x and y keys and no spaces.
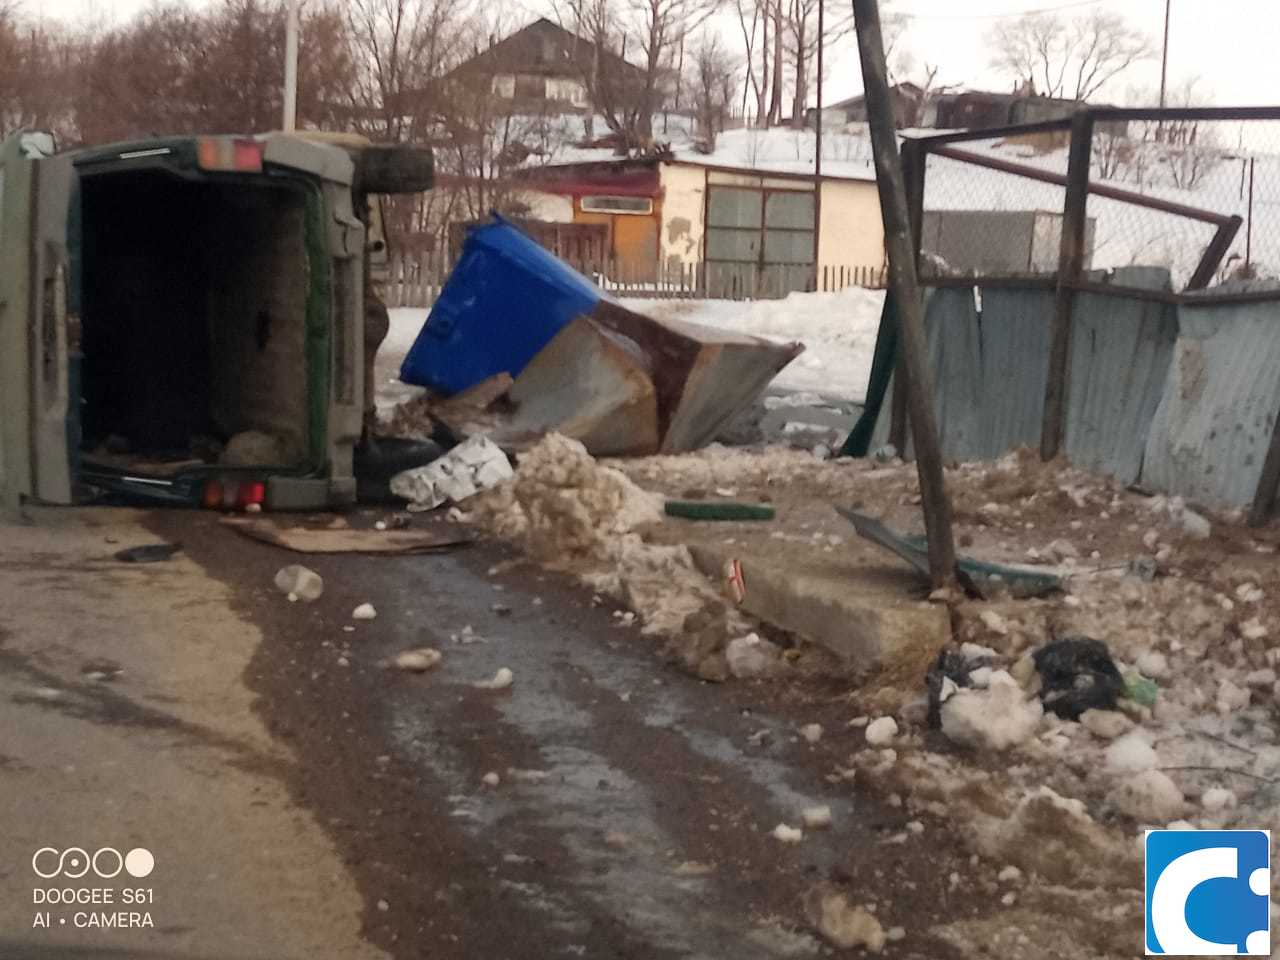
{"x":1195,"y":192}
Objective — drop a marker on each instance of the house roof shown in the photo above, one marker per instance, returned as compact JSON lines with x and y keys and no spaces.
{"x":545,"y":48}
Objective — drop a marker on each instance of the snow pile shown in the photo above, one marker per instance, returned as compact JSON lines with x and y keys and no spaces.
{"x":995,"y":718}
{"x":570,"y":512}
{"x":563,"y":504}
{"x":838,"y":331}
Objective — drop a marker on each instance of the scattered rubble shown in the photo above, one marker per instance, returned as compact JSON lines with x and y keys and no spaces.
{"x":299,"y":583}
{"x":418,"y":661}
{"x":786,"y":834}
{"x":881,"y":731}
{"x":843,"y":924}
{"x":474,"y":465}
{"x":499,"y":681}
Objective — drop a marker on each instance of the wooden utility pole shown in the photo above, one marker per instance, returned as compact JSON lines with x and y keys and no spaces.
{"x":905,"y":286}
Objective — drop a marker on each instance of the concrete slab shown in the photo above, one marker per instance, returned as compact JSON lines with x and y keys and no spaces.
{"x":867,"y":612}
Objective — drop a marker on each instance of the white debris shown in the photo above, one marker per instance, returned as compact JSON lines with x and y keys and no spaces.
{"x":1231,"y":698}
{"x":842,"y":924}
{"x":499,"y":681}
{"x":364,"y":612}
{"x":1060,"y":550}
{"x":1253,"y":629}
{"x":383,"y":906}
{"x":530,"y":776}
{"x":994,"y":622}
{"x":786,"y":834}
{"x":299,"y":582}
{"x":380,"y":525}
{"x":1217,"y":798}
{"x":473,"y":465}
{"x":1149,"y":797}
{"x":859,"y":721}
{"x":1132,"y":753}
{"x":1106,"y":724}
{"x":881,"y":731}
{"x":811,"y":732}
{"x":976,"y":652}
{"x":1261,"y":679}
{"x":1249,"y":593}
{"x":1196,"y":526}
{"x":491,"y":779}
{"x":993,"y":719}
{"x":750,"y":656}
{"x":1009,"y":899}
{"x":895,"y":934}
{"x":816,"y":818}
{"x":1009,"y":874}
{"x":419,"y":660}
{"x":980,"y":678}
{"x":1153,"y":664}
{"x":916,"y":827}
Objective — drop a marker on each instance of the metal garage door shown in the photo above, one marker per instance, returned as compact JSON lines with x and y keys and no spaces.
{"x":760,"y":242}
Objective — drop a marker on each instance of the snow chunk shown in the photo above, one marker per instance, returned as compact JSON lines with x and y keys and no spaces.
{"x":1149,"y":797}
{"x":499,"y":681}
{"x":751,"y":656}
{"x":1105,"y":724}
{"x":817,"y":818}
{"x":843,"y":924}
{"x":1131,"y":754}
{"x":811,"y":732}
{"x":786,"y":834}
{"x":364,"y":612}
{"x":992,"y":719}
{"x":1153,"y":664}
{"x":417,"y":661}
{"x":881,"y":731}
{"x":1217,"y":798}
{"x":994,"y":622}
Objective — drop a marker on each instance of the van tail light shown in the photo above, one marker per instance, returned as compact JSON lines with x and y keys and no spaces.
{"x":229,"y":494}
{"x":253,"y":491}
{"x":229,"y":154}
{"x":211,"y":495}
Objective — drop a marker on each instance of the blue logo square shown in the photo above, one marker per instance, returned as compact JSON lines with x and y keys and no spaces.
{"x":1207,"y":892}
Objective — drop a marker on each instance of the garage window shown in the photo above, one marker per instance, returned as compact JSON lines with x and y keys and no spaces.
{"x":642,"y":206}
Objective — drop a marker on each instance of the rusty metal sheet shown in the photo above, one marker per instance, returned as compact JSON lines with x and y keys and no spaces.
{"x":703,"y":376}
{"x":590,"y":384}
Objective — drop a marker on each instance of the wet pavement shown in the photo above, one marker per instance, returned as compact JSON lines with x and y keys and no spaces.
{"x":635,"y":805}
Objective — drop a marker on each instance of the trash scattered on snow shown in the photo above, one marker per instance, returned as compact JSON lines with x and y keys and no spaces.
{"x":843,"y":924}
{"x":1077,"y":674}
{"x":419,"y":660}
{"x":881,"y":731}
{"x":1140,"y":690}
{"x":816,"y":818}
{"x":473,"y":465}
{"x":364,"y":612}
{"x":786,"y":834}
{"x":301,"y":582}
{"x":499,"y":681}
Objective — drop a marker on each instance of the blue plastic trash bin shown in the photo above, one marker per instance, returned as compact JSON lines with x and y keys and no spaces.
{"x":503,"y":302}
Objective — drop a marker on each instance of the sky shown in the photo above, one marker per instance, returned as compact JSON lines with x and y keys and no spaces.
{"x":1231,"y":45}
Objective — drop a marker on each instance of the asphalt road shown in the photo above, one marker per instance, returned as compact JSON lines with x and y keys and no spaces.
{"x":633,"y":813}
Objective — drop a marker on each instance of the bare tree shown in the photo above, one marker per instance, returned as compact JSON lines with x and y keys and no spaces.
{"x":715,"y":77}
{"x":1073,"y":59}
{"x":403,"y":50}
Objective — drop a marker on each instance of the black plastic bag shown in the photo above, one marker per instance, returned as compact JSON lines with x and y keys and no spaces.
{"x":1077,"y":674}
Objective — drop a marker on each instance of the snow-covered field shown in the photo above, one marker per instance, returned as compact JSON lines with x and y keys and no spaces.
{"x":837,"y":329}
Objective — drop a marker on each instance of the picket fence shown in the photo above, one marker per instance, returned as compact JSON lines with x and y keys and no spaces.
{"x":415,"y":281}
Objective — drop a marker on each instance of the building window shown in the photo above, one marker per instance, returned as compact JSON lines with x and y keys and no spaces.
{"x":642,"y":206}
{"x":504,"y":86}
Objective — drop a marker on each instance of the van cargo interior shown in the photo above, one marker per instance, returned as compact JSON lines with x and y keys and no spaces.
{"x":193,"y":323}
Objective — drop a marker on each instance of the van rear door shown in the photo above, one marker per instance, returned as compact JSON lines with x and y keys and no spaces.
{"x":34,"y":192}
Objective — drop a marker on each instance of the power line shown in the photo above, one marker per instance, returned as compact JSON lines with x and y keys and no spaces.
{"x":998,"y":16}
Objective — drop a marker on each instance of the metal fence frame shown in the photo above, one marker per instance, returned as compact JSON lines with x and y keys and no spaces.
{"x":1070,"y":277}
